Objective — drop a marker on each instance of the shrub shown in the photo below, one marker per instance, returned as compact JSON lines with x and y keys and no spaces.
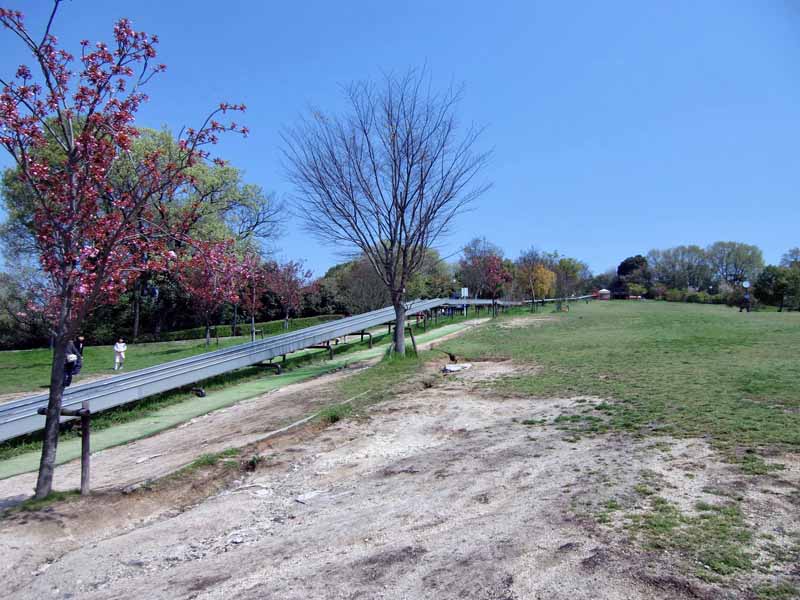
{"x":673,"y":295}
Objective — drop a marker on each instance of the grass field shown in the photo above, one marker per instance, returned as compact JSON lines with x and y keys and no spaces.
{"x":29,"y":370}
{"x":679,"y":369}
{"x":665,"y":371}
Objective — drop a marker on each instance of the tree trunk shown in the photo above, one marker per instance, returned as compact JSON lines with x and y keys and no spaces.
{"x":235,"y":319}
{"x":399,"y":326}
{"x":137,"y":303}
{"x":208,"y":332}
{"x":44,"y":482}
{"x":252,"y":328}
{"x":286,"y":320}
{"x":160,"y":309}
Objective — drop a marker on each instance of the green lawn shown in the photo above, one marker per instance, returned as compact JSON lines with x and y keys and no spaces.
{"x":29,"y":370}
{"x":680,"y":369}
{"x":707,"y":372}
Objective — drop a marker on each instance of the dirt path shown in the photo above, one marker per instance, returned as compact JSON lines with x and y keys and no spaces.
{"x":439,"y":494}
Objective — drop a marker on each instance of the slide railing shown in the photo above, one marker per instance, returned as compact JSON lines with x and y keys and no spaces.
{"x":19,"y":417}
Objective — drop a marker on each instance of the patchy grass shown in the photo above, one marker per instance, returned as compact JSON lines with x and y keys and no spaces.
{"x":715,"y":541}
{"x":32,"y":504}
{"x":390,"y":377}
{"x":334,"y":414}
{"x":677,"y":369}
{"x":778,"y":591}
{"x":211,"y":460}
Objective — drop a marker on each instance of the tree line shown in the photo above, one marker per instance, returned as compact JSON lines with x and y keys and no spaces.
{"x":722,"y":272}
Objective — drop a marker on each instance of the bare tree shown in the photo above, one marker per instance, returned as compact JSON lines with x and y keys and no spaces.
{"x":388,"y":177}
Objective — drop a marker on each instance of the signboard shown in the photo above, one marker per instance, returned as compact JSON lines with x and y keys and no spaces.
{"x":465,"y":292}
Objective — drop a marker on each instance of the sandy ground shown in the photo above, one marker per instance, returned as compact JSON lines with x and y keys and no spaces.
{"x":442,"y":493}
{"x":527,"y":321}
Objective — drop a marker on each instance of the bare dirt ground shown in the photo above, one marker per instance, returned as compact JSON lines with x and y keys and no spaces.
{"x":441,"y":493}
{"x":526,"y":321}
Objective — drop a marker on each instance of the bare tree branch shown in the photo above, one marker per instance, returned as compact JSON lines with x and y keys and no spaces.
{"x":388,"y":178}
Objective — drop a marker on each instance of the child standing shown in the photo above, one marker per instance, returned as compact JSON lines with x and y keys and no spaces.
{"x":119,"y":353}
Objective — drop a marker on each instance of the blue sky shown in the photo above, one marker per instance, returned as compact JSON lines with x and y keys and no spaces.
{"x":616,"y":126}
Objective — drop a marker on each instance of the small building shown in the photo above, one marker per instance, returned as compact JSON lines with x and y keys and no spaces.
{"x":604,"y":294}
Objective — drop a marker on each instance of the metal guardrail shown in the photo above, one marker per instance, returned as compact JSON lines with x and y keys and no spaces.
{"x":562,"y":299}
{"x":20,"y":417}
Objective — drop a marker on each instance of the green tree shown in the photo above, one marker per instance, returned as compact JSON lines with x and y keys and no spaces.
{"x":633,"y":276}
{"x":735,"y":262}
{"x":228,"y":208}
{"x":791,"y":258}
{"x":571,"y":276}
{"x":773,"y":285}
{"x":681,"y":267}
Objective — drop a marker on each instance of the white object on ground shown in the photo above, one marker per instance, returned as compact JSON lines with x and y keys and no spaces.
{"x":455,"y":368}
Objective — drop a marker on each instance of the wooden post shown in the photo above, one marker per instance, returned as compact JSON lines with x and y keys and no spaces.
{"x":85,"y":447}
{"x":413,"y":341}
{"x":86,"y":416}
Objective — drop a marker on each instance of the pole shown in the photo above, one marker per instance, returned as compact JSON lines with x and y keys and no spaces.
{"x":413,"y":341}
{"x":85,"y":447}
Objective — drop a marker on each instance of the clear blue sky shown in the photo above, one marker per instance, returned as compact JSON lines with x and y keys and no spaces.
{"x":616,"y":126}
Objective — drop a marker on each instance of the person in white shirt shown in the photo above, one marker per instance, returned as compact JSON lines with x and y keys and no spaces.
{"x":119,"y":354}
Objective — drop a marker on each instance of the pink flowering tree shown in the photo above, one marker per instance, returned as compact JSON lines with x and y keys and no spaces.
{"x":210,"y":273}
{"x":288,"y":281}
{"x":93,"y":237}
{"x":252,"y":285}
{"x":497,"y":275}
{"x":485,"y":274}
